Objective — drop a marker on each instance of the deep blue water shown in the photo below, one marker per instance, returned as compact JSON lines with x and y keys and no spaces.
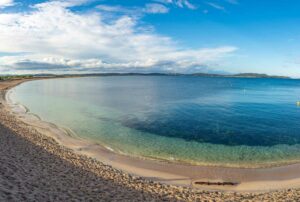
{"x":227,"y":120}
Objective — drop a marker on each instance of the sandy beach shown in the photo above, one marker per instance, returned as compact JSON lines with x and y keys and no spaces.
{"x":39,"y":163}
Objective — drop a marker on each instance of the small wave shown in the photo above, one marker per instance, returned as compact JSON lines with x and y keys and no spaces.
{"x":109,"y":148}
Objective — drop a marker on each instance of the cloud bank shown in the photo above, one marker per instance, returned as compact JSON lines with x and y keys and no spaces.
{"x":50,"y":37}
{"x":6,"y":3}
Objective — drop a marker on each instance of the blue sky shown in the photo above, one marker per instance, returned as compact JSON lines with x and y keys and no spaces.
{"x":213,"y":36}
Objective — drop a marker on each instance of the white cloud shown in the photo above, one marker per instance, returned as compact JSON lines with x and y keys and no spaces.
{"x":179,"y":3}
{"x":52,"y":37}
{"x":185,"y":3}
{"x":112,"y":8}
{"x":150,"y":8}
{"x":156,"y":8}
{"x":6,"y":3}
{"x":216,"y":6}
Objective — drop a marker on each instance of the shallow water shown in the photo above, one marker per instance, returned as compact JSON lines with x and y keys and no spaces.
{"x":211,"y":121}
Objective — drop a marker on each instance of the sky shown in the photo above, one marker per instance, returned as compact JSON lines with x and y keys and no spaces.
{"x":170,"y":36}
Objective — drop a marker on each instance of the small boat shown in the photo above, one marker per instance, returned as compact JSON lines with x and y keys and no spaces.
{"x":298,"y":103}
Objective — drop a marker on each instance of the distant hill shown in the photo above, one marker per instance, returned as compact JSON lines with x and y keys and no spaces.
{"x":254,"y":75}
{"x":242,"y":75}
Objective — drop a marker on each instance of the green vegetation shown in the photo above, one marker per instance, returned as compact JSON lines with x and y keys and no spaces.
{"x":12,"y":77}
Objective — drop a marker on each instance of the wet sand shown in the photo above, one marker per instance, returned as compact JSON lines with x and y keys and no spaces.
{"x":35,"y":166}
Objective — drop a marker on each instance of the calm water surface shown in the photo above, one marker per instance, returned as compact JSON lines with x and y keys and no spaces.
{"x":211,"y":121}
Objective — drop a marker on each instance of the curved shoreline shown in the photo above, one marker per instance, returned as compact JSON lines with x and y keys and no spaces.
{"x":26,"y":115}
{"x":204,"y":177}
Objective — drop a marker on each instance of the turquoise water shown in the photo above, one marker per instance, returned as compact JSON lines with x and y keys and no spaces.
{"x":208,"y":121}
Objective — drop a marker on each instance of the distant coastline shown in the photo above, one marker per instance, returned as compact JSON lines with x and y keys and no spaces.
{"x":240,"y":75}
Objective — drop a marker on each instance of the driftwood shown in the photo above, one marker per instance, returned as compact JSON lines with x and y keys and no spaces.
{"x":216,"y":183}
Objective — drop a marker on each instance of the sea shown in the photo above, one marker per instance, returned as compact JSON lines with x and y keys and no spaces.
{"x":239,"y":122}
